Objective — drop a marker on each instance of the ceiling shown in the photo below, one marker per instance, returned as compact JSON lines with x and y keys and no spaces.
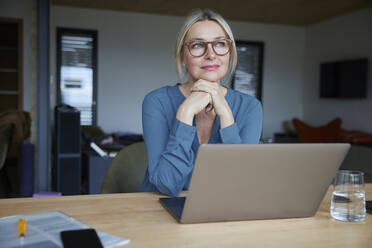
{"x":288,"y":12}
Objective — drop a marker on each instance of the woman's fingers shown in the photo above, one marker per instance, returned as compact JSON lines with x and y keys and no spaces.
{"x":216,"y":91}
{"x":199,"y":100}
{"x":212,"y":88}
{"x":206,"y":89}
{"x":217,"y":96}
{"x":193,"y":104}
{"x":209,"y":108}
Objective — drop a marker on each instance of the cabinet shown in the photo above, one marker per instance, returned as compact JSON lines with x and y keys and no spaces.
{"x":11,"y":64}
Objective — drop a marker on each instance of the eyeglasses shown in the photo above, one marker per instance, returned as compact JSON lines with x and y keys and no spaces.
{"x":198,"y":48}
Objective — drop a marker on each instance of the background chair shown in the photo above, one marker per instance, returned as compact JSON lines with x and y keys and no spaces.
{"x":18,"y":166}
{"x":5,"y":141}
{"x":127,"y":170}
{"x":6,"y":131}
{"x":320,"y":134}
{"x":21,"y":121}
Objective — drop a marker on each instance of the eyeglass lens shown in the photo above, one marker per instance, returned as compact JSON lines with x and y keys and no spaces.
{"x":199,"y":47}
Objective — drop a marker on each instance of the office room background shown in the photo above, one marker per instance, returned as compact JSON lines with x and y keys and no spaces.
{"x":136,"y":55}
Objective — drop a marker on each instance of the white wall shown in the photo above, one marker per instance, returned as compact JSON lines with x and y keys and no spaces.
{"x":282,"y":72}
{"x":135,"y":56}
{"x":345,"y":37}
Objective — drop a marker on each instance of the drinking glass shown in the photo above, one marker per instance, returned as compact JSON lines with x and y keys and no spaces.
{"x":348,"y":197}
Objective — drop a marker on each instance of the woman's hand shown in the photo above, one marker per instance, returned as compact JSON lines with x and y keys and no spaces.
{"x":193,"y":104}
{"x":219,"y":103}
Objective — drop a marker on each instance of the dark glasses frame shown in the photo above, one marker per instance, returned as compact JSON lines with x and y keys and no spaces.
{"x":187,"y":44}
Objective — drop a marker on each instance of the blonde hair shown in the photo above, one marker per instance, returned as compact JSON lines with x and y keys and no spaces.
{"x":203,"y":15}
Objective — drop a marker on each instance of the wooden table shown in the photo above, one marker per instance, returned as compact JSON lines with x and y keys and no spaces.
{"x":140,"y":217}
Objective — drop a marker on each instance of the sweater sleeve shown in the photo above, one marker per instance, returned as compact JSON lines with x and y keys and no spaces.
{"x":170,"y":157}
{"x":247,"y":131}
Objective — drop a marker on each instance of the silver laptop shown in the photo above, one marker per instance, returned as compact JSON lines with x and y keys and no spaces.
{"x":253,"y":182}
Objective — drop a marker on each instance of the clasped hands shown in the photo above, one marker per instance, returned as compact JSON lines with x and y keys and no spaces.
{"x":208,"y":96}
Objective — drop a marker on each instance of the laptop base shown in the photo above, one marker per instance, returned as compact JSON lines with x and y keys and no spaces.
{"x":174,"y":205}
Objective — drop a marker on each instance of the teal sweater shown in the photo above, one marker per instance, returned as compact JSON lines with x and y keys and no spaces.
{"x":172,"y":145}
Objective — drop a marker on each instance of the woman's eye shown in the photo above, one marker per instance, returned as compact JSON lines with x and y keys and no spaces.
{"x":220,"y":44}
{"x":197,"y":45}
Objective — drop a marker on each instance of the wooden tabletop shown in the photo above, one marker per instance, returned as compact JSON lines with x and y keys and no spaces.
{"x":140,"y":217}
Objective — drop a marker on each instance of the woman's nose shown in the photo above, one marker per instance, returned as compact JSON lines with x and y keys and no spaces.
{"x":210,"y":52}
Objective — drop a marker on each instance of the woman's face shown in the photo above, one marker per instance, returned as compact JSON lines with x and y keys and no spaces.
{"x":210,"y":66}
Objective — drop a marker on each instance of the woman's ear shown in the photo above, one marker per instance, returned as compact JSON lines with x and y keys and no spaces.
{"x":183,"y":60}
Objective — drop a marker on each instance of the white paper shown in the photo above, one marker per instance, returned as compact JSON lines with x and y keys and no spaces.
{"x":43,"y":230}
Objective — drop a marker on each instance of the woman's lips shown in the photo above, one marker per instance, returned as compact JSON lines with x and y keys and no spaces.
{"x":210,"y":67}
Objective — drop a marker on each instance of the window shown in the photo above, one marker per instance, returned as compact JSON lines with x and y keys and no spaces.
{"x":77,"y":72}
{"x":248,"y":74}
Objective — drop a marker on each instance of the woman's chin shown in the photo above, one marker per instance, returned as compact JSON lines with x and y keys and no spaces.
{"x":210,"y":78}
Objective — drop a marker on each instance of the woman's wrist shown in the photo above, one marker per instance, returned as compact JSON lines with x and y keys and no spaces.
{"x":185,"y":115}
{"x":226,"y":118}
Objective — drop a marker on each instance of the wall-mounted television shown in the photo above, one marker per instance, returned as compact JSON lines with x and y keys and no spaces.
{"x":344,"y":79}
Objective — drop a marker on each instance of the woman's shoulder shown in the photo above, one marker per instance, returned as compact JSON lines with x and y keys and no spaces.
{"x":160,"y":92}
{"x":245,"y":106}
{"x":243,"y":98}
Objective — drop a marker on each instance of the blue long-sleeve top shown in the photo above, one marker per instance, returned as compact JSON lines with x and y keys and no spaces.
{"x":172,"y":145}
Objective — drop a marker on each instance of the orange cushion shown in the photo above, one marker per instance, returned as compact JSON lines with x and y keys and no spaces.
{"x":367,"y":140}
{"x":321,"y":134}
{"x":357,"y":137}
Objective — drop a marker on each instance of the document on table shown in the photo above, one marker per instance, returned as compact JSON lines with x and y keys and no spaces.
{"x":44,"y":230}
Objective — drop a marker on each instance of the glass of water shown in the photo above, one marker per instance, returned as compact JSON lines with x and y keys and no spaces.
{"x":348,"y":198}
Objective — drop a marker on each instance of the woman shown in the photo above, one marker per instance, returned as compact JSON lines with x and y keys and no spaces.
{"x":177,"y":119}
